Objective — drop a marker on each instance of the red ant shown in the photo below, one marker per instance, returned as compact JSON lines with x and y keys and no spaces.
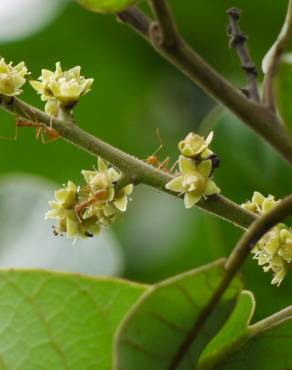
{"x":41,"y":130}
{"x":153,"y":160}
{"x":98,"y":195}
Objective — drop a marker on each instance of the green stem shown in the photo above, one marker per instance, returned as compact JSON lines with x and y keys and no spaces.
{"x":273,"y":57}
{"x":258,"y":117}
{"x":134,"y":170}
{"x":271,"y":321}
{"x":238,"y":256}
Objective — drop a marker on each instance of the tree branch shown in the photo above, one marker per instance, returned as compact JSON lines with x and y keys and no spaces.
{"x":137,"y":20}
{"x":134,"y":170}
{"x":273,"y":57}
{"x":168,"y":31}
{"x":238,"y":256}
{"x":238,"y":42}
{"x":264,"y":122}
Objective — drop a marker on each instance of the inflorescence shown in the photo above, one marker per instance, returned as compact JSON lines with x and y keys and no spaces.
{"x":274,"y":250}
{"x":196,"y":165}
{"x":81,"y":211}
{"x":61,"y":89}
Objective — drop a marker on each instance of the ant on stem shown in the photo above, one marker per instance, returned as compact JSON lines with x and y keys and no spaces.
{"x":153,"y":160}
{"x":42,"y":131}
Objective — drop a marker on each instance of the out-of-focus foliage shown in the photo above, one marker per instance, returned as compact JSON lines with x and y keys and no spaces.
{"x":61,"y":321}
{"x":157,"y":325}
{"x":232,"y":334}
{"x":135,"y":91}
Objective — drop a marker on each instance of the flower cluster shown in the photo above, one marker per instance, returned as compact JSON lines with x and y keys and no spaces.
{"x":274,"y":249}
{"x":61,"y":89}
{"x":195,"y":170}
{"x":12,"y":78}
{"x":260,"y":204}
{"x":81,"y":211}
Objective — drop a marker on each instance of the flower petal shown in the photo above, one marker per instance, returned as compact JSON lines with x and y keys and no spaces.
{"x":176,"y":185}
{"x":211,"y":188}
{"x":121,"y":203}
{"x":72,"y":228}
{"x":186,"y":165}
{"x":128,"y":189}
{"x":38,"y":86}
{"x":209,"y":138}
{"x":102,"y":167}
{"x":190,"y":199}
{"x":205,"y":168}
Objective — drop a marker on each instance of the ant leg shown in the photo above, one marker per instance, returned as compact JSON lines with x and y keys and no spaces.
{"x":25,"y":113}
{"x":173,"y":166}
{"x":51,"y":140}
{"x":39,"y":134}
{"x":161,"y":143}
{"x":163,"y":165}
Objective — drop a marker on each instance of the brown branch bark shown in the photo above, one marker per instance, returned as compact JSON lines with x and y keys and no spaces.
{"x":238,"y":42}
{"x":256,"y":116}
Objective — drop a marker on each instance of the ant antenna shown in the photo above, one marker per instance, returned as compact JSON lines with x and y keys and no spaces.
{"x":161,"y":143}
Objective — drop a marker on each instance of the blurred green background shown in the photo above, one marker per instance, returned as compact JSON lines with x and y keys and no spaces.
{"x":135,"y":91}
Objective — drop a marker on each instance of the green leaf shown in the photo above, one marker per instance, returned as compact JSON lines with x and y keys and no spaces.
{"x":155,"y":328}
{"x":284,"y":89}
{"x":54,"y":321}
{"x":106,"y":6}
{"x":266,"y":345}
{"x":231,"y":335}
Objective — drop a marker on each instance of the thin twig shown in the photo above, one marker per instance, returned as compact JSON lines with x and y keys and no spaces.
{"x":238,"y":42}
{"x":260,"y":119}
{"x":270,"y":322}
{"x":137,"y":20}
{"x":168,"y":35}
{"x":134,"y":170}
{"x":273,"y":57}
{"x":238,"y":256}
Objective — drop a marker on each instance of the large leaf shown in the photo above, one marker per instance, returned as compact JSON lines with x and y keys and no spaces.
{"x":232,"y":334}
{"x":158,"y":324}
{"x":106,"y":6}
{"x":54,"y":321}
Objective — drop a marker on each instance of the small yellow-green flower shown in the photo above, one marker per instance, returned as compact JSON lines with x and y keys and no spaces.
{"x":274,"y":252}
{"x":260,"y":204}
{"x":12,"y":78}
{"x":81,"y":211}
{"x":63,"y":210}
{"x":64,"y":87}
{"x":103,"y":179}
{"x":194,"y":181}
{"x":194,"y":145}
{"x":122,"y":196}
